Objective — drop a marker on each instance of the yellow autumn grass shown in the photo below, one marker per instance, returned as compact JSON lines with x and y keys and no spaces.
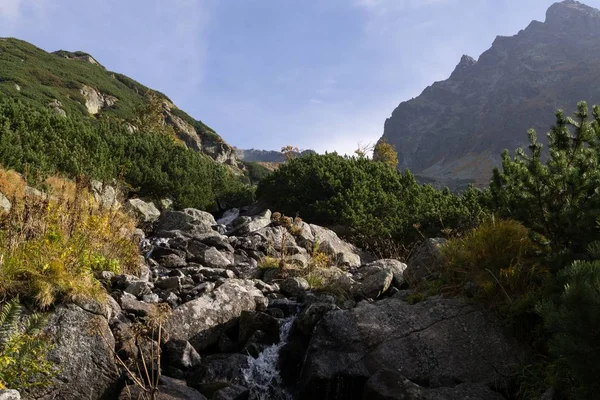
{"x":50,"y":246}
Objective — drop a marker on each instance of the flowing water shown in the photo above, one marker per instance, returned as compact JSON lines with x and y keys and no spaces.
{"x":262,"y":376}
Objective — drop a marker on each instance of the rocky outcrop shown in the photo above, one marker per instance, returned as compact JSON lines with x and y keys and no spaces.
{"x":83,"y":350}
{"x":457,"y":128}
{"x":96,"y":101}
{"x":203,"y":320}
{"x":144,"y":211}
{"x":436,"y":343}
{"x":5,"y":205}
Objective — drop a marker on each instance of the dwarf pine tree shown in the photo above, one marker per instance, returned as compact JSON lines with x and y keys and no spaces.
{"x":557,"y":193}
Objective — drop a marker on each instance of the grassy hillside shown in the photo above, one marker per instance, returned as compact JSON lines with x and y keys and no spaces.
{"x":36,"y":77}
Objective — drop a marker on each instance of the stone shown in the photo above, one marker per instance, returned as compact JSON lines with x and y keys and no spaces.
{"x":213,"y":258}
{"x":165,"y":204}
{"x":311,"y":315}
{"x":425,"y":262}
{"x":144,"y":211}
{"x":130,"y":304}
{"x":203,"y":320}
{"x":83,"y":347}
{"x":188,"y":223}
{"x":439,"y":341}
{"x":139,"y":288}
{"x":245,"y":225}
{"x":396,"y":267}
{"x":168,"y":389}
{"x":216,"y":371}
{"x":180,"y":354}
{"x":5,"y":205}
{"x":340,"y":252}
{"x":105,"y":195}
{"x":252,"y":321}
{"x":169,"y":283}
{"x":375,"y":283}
{"x":10,"y":394}
{"x":294,"y":286}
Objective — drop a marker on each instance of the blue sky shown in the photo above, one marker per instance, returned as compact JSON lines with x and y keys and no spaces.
{"x":320,"y":74}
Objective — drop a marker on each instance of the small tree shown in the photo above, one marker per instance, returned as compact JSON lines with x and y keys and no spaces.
{"x":289,"y":152}
{"x":386,"y":153}
{"x":557,"y":196}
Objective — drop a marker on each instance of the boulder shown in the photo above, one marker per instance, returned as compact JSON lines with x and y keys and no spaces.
{"x":144,"y":211}
{"x":341,"y":253}
{"x":425,"y":262}
{"x":213,"y":258}
{"x":311,"y":315}
{"x":9,"y":394}
{"x":217,"y":371}
{"x":188,"y":223}
{"x":396,"y":267}
{"x":180,"y":354}
{"x":83,"y":348}
{"x":244,"y":225}
{"x":168,"y":389}
{"x":391,"y":385}
{"x":294,"y":286}
{"x":252,"y":321}
{"x":375,"y":282}
{"x":203,"y":320}
{"x":105,"y":195}
{"x":441,"y":342}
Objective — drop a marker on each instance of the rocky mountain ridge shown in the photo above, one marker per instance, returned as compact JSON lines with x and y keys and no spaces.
{"x":457,"y":128}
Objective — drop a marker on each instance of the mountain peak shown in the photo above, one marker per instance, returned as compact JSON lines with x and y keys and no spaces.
{"x":465,"y":63}
{"x":570,"y":11}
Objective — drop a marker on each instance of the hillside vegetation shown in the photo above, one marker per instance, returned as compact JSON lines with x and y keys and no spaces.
{"x":43,"y":77}
{"x":151,"y":163}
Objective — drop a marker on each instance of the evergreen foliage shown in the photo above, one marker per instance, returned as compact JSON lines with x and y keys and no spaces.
{"x":574,"y":323}
{"x":372,"y":200}
{"x":556,"y":196}
{"x":151,"y":163}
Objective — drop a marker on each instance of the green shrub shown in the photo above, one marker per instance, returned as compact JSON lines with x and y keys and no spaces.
{"x":556,"y":196}
{"x":373,"y":201}
{"x":498,"y":257}
{"x":574,"y":324}
{"x":149,"y":162}
{"x":23,"y":349}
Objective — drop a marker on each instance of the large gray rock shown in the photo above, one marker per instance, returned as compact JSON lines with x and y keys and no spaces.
{"x":244,"y":224}
{"x":180,"y":354}
{"x":105,"y":195}
{"x":425,"y":262}
{"x":391,"y":385}
{"x":217,"y":371}
{"x":187,"y":222}
{"x":168,"y":389}
{"x":10,"y":394}
{"x":294,"y":286}
{"x":396,"y":267}
{"x":341,"y":253}
{"x":203,"y":320}
{"x":438,"y":341}
{"x":376,"y":282}
{"x":83,"y":348}
{"x":145,"y":211}
{"x":213,"y":258}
